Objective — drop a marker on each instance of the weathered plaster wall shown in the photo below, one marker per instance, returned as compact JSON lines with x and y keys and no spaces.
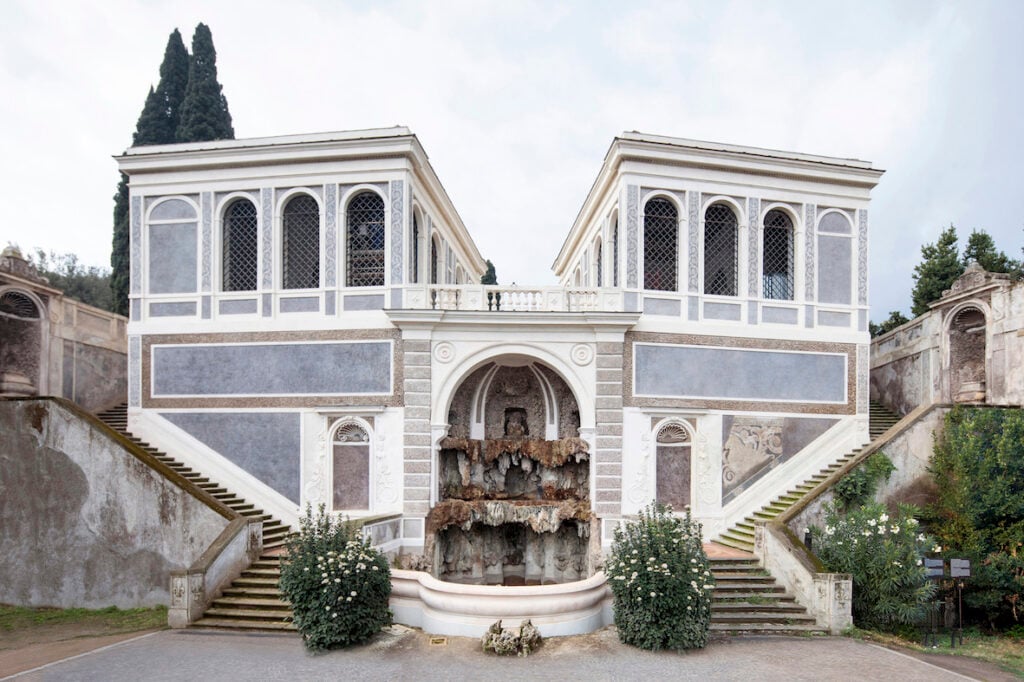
{"x":83,"y":522}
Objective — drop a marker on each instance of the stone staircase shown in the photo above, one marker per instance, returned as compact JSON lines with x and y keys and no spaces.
{"x":741,"y":536}
{"x":253,"y":600}
{"x":747,"y":600}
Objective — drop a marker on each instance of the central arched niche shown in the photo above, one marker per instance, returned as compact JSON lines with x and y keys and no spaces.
{"x":513,"y":480}
{"x":967,"y":356}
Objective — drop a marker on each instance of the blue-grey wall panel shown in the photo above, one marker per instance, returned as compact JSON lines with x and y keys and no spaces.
{"x":304,"y":304}
{"x":265,"y":444}
{"x":729,"y":373}
{"x":365,"y":302}
{"x":723,"y":311}
{"x":835,"y":274}
{"x":244,"y":306}
{"x":661,"y":306}
{"x":273,"y":369}
{"x":779,"y":315}
{"x":830,"y":319}
{"x":182,"y":309}
{"x":172,"y":258}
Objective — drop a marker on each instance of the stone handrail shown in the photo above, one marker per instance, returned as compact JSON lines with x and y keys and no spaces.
{"x":514,"y":298}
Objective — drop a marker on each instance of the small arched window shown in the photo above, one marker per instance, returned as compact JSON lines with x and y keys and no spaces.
{"x":300,"y":243}
{"x":615,"y":251}
{"x":599,"y":264}
{"x":777,"y":260}
{"x":673,"y":465}
{"x":351,"y":460}
{"x":433,"y":260}
{"x":240,"y":253}
{"x":720,"y":251}
{"x":660,"y":245}
{"x":415,"y":256}
{"x":365,"y":247}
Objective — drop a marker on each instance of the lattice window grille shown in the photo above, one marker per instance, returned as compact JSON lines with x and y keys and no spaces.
{"x":300,"y":253}
{"x":599,"y":264}
{"x":661,"y":236}
{"x":673,"y":434}
{"x":365,"y":249}
{"x":615,"y":252}
{"x":240,"y":256}
{"x":351,"y":433}
{"x":777,"y":264}
{"x":17,"y":304}
{"x":720,"y":251}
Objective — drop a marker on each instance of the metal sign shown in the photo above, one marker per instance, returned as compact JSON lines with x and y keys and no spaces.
{"x":934,"y":568}
{"x":959,"y":568}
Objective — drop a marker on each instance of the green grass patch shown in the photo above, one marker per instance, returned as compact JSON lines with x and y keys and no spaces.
{"x":1005,"y":651}
{"x":107,"y":621}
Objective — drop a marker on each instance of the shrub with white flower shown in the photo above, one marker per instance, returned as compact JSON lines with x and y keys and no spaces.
{"x":661,"y":582}
{"x":884,"y":555}
{"x":338,"y":585}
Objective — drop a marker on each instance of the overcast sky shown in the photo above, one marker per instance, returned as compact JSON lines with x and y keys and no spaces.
{"x":517,"y":102}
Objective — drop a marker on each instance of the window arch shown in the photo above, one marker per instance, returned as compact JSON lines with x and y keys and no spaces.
{"x":19,"y":305}
{"x":777,"y":257}
{"x":721,"y":235}
{"x":615,"y":250}
{"x":239,"y":248}
{"x":365,"y":243}
{"x":433,"y":260}
{"x":672,"y":464}
{"x":661,"y":250}
{"x":415,"y":255}
{"x":300,"y":243}
{"x":351,"y":466}
{"x":599,"y":264}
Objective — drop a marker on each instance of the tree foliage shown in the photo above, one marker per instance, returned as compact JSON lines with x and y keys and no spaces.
{"x":204,"y":112}
{"x":158,"y":121}
{"x":940,"y":266}
{"x":490,"y":277}
{"x":896,"y":319}
{"x":982,"y":248}
{"x":978,"y":467}
{"x":89,"y":284}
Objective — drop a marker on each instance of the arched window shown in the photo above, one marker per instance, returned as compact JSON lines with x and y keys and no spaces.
{"x":415,"y":256}
{"x":433,"y":260}
{"x":365,"y":248}
{"x":615,"y":251}
{"x":351,"y":455}
{"x":239,"y":255}
{"x":599,"y":264}
{"x":300,"y":243}
{"x":720,"y":251}
{"x":660,"y":245}
{"x":673,"y":465}
{"x":777,"y":259}
{"x":19,"y":305}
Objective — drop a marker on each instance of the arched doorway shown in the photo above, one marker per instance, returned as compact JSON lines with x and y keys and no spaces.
{"x":967,"y":373}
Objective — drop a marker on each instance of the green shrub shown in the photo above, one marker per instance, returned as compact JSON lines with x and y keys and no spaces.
{"x":884,"y":554}
{"x":660,"y":581}
{"x":859,"y":486}
{"x":978,"y":468}
{"x":337,"y":583}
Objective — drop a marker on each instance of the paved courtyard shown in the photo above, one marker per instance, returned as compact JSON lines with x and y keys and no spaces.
{"x":404,"y":654}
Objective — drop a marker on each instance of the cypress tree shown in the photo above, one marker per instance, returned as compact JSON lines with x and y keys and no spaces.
{"x":204,"y":113}
{"x":939,"y":268}
{"x":157,"y":124}
{"x":489,"y":277}
{"x":982,"y":248}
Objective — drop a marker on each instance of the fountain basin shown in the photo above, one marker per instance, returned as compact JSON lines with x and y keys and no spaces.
{"x":418,"y":599}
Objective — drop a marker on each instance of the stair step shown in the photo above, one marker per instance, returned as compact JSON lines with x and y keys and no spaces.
{"x":265,"y":592}
{"x":243,"y":624}
{"x":252,"y":602}
{"x":767,"y":629}
{"x":756,"y":607}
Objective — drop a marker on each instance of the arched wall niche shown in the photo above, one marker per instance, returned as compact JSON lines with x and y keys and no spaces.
{"x":967,"y":357}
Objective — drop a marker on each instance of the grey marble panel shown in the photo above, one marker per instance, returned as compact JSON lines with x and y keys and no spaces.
{"x":862,"y":258}
{"x":661,"y":306}
{"x":753,"y":234}
{"x":181,"y":309}
{"x":630,"y":302}
{"x":752,"y":312}
{"x":173,"y":209}
{"x":172,"y":258}
{"x":397,"y":229}
{"x":267,"y":237}
{"x":330,"y":303}
{"x":396,"y":299}
{"x":834,"y":274}
{"x":632,"y":232}
{"x":206,"y":302}
{"x":862,"y":320}
{"x":693,"y":237}
{"x":729,"y":373}
{"x":284,"y":369}
{"x":268,"y":305}
{"x":779,"y":315}
{"x":828,"y":318}
{"x":135,"y":272}
{"x":808,"y":316}
{"x":266,"y":445}
{"x":136,"y":310}
{"x":245,"y":306}
{"x":723,"y":311}
{"x":365,"y":302}
{"x":331,"y":236}
{"x":809,"y":220}
{"x":693,"y":308}
{"x":835,"y":223}
{"x":302,"y":304}
{"x":206,"y":265}
{"x":135,"y":371}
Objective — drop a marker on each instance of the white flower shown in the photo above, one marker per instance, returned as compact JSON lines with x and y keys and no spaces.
{"x":654,"y":594}
{"x":912,"y":522}
{"x":937,"y":548}
{"x":353,"y":593}
{"x":872,"y":523}
{"x":883,"y":518}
